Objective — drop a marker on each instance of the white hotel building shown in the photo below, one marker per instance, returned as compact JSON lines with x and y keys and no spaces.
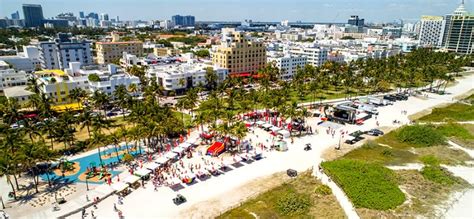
{"x":65,"y":49}
{"x":315,"y":56}
{"x":180,"y":77}
{"x":431,"y":30}
{"x":287,"y":64}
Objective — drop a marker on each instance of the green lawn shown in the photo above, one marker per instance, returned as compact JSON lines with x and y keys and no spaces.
{"x":455,"y":112}
{"x":373,"y":152}
{"x":290,"y":197}
{"x":368,"y":185}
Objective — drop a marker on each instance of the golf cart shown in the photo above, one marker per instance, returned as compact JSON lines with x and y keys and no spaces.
{"x":353,"y":140}
{"x":179,"y":199}
{"x":307,"y":147}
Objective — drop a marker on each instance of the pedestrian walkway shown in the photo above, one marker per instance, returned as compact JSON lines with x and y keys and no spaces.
{"x":341,"y":197}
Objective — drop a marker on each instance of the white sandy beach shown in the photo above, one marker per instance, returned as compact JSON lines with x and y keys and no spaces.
{"x":226,"y":190}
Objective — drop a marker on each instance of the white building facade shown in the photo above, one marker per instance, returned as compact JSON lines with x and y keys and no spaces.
{"x":179,"y":77}
{"x":431,"y":31}
{"x":315,"y":56}
{"x":58,"y":54}
{"x":287,"y":64}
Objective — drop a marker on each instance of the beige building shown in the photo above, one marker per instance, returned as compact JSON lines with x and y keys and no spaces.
{"x":107,"y":52}
{"x":239,"y":53}
{"x":165,"y":51}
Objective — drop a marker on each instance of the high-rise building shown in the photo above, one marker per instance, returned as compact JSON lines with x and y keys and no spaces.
{"x":287,"y":64}
{"x":184,"y":21}
{"x":459,"y":31}
{"x":33,"y":15}
{"x":239,"y":53}
{"x":354,"y":20}
{"x":81,"y":14}
{"x":63,"y":50}
{"x":355,"y":25}
{"x":431,"y":31}
{"x":15,"y":15}
{"x":104,"y":17}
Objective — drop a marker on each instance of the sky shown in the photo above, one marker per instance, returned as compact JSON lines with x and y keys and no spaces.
{"x":238,"y":10}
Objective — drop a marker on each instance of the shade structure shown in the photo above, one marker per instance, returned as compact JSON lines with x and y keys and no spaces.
{"x":178,"y":150}
{"x":170,"y":155}
{"x":119,"y":186}
{"x":260,"y":123}
{"x":284,"y":133}
{"x":162,"y":160}
{"x":275,"y":129}
{"x":152,"y":166}
{"x":131,"y":179}
{"x":142,"y":172}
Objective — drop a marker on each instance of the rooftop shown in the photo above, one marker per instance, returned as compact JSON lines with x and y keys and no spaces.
{"x":17,"y":91}
{"x":56,"y":72}
{"x":124,"y":42}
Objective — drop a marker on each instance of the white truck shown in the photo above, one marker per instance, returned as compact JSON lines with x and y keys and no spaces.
{"x":378,"y":101}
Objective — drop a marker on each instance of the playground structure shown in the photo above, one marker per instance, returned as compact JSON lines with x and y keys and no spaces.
{"x":216,"y":149}
{"x":93,"y":171}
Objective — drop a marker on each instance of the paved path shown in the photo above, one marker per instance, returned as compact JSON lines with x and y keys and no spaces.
{"x":341,"y":197}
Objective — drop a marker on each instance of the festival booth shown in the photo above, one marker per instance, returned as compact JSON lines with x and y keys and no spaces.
{"x":162,"y":160}
{"x":171,"y":156}
{"x":216,"y":149}
{"x":179,"y":151}
{"x":259,"y":123}
{"x":132,"y":180}
{"x":284,"y":133}
{"x":206,"y":135}
{"x":153,"y":166}
{"x":121,"y":188}
{"x":267,"y":127}
{"x":143,"y":173}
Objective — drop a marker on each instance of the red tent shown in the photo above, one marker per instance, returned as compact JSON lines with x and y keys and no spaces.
{"x":216,"y":148}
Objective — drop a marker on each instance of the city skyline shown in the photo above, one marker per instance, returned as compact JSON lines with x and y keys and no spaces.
{"x":263,"y":10}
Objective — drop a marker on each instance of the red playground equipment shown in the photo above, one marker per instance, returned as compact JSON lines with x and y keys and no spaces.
{"x":216,"y":149}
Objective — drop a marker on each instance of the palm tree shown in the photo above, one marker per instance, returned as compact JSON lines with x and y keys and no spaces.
{"x":211,"y":78}
{"x":86,"y":119}
{"x":100,"y":101}
{"x":77,"y":94}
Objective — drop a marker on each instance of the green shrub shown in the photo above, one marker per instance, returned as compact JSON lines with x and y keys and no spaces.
{"x":420,"y":135}
{"x":430,"y":160}
{"x":368,"y":185}
{"x":454,"y":130}
{"x":293,"y":204}
{"x":323,"y":190}
{"x":438,"y":174}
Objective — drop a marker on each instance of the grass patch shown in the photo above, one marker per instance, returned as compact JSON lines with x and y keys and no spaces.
{"x":373,"y":152}
{"x":299,"y":198}
{"x":456,"y":112}
{"x":455,"y":130}
{"x":444,"y":154}
{"x":438,"y":174}
{"x":420,"y":136}
{"x":368,"y":185}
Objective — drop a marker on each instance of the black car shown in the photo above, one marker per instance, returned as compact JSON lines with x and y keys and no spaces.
{"x":374,"y":132}
{"x":401,"y":97}
{"x":356,"y":133}
{"x":390,"y":98}
{"x":179,"y":199}
{"x":354,"y":140}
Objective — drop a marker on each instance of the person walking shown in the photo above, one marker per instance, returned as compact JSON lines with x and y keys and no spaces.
{"x":83,"y":213}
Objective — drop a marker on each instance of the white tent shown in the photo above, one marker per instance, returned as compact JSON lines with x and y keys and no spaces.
{"x":170,"y":155}
{"x":178,"y":150}
{"x":275,"y":129}
{"x":152,"y":166}
{"x":119,"y":186}
{"x":142,"y":172}
{"x":284,"y":133}
{"x":266,"y":126}
{"x":260,"y":123}
{"x":162,"y":160}
{"x":131,"y":179}
{"x":185,"y":145}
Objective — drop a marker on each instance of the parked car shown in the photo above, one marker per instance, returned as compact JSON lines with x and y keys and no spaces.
{"x":401,"y":96}
{"x":390,"y":97}
{"x":374,"y":132}
{"x":353,"y":140}
{"x":356,"y":133}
